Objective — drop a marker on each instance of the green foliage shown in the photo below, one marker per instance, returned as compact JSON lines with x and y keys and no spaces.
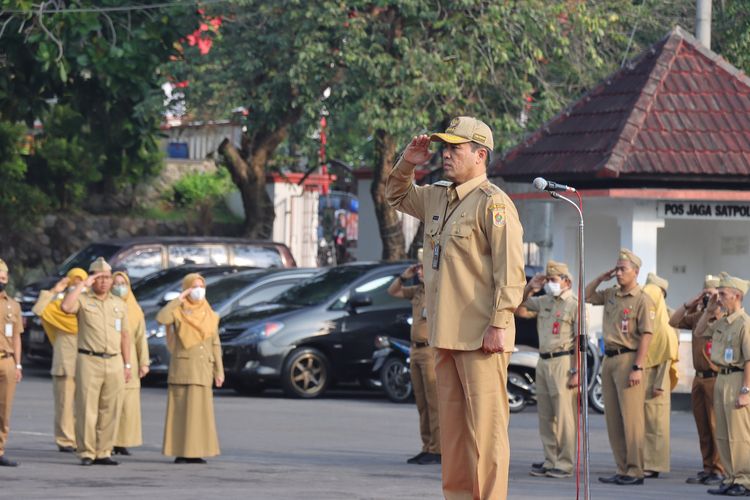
{"x":201,"y":188}
{"x":731,"y":32}
{"x":18,"y":202}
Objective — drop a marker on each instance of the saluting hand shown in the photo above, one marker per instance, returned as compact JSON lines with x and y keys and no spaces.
{"x":418,"y":150}
{"x":61,"y":285}
{"x":493,"y":340}
{"x":537,"y":282}
{"x":607,"y":275}
{"x":90,"y":280}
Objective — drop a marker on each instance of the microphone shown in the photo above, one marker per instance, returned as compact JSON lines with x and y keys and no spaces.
{"x":543,"y":184}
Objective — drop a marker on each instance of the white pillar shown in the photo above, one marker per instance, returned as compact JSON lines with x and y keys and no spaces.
{"x":638,"y":232}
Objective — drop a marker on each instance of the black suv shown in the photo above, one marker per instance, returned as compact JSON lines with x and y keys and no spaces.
{"x":316,"y":333}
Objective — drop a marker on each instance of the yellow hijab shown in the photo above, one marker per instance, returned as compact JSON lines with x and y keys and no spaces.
{"x":665,"y":343}
{"x":198,"y":321}
{"x":135,"y":313}
{"x":54,"y":319}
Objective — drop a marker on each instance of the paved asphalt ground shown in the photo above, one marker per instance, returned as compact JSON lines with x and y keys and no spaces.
{"x":350,"y":445}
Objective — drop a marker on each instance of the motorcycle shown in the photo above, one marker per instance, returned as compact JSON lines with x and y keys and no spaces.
{"x":391,"y":368}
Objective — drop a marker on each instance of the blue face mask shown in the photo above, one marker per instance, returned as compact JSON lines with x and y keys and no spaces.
{"x":119,"y":291}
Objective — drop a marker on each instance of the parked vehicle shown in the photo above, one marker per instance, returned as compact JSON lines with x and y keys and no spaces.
{"x":149,"y":291}
{"x":391,"y":369}
{"x":521,"y":378}
{"x":225,"y":292}
{"x":316,"y":333}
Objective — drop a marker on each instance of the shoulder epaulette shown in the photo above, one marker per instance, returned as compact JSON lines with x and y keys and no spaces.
{"x":489,"y":189}
{"x":443,"y":183}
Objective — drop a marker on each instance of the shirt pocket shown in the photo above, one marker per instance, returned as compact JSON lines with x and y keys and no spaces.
{"x":459,"y":240}
{"x":93,"y":316}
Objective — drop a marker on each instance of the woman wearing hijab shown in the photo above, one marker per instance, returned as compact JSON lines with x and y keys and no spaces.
{"x":62,"y":331}
{"x":193,"y":340}
{"x":129,"y":432}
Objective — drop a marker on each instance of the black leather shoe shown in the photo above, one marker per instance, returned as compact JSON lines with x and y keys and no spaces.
{"x":538,"y":471}
{"x":698,"y":478}
{"x":120,"y":450}
{"x":86,"y":461}
{"x":196,"y":461}
{"x":415,"y":458}
{"x":4,"y":462}
{"x":721,"y":490}
{"x":430,"y":459}
{"x":650,"y":474}
{"x":180,"y":460}
{"x":66,"y":449}
{"x":629,"y":480}
{"x":610,"y":479}
{"x":737,"y":490}
{"x":712,"y":478}
{"x":537,"y":465}
{"x":105,"y":461}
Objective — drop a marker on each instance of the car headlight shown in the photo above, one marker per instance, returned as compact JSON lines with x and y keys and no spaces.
{"x":260,"y":331}
{"x":158,"y":332}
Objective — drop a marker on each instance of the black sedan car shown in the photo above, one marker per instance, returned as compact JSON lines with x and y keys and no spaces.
{"x":316,"y":333}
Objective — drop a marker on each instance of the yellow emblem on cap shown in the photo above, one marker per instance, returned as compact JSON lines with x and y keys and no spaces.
{"x":498,"y":214}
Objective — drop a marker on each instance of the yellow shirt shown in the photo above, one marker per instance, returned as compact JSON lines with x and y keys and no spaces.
{"x":418,"y":312}
{"x":11,"y":322}
{"x":556,"y":320}
{"x":731,"y":340}
{"x":480,"y":277}
{"x":627,"y":316}
{"x":100,"y":322}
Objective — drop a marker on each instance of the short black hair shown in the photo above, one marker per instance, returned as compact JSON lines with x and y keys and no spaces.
{"x":475,"y":146}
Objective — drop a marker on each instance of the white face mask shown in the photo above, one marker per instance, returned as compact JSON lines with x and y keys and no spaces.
{"x":198,"y":293}
{"x":552,"y":288}
{"x":119,"y":290}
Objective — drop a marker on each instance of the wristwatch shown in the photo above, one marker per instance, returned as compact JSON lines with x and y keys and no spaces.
{"x":127,"y":365}
{"x":744,"y":390}
{"x":19,"y":367}
{"x":573,"y":371}
{"x":637,"y":368}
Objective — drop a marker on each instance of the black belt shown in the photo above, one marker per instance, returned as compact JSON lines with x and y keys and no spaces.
{"x":705,"y":374}
{"x":97,"y":354}
{"x":731,"y":369}
{"x":419,"y":344}
{"x":548,"y":355}
{"x":616,"y":352}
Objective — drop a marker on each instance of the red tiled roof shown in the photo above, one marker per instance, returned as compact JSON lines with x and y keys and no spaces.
{"x":677,"y":111}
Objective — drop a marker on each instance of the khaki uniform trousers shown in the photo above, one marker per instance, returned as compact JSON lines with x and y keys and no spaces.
{"x":99,"y":392}
{"x":473,"y":408}
{"x":624,"y":413}
{"x":64,"y":391}
{"x":424,"y":384}
{"x":702,"y":401}
{"x":656,"y":447}
{"x":732,"y":429}
{"x":7,"y":392}
{"x":556,"y":405}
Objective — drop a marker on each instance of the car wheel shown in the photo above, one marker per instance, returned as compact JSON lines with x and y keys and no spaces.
{"x":596,"y":399}
{"x":396,"y":379}
{"x":516,"y":397}
{"x":306,"y":373}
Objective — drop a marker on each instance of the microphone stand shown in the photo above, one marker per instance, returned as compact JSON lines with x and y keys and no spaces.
{"x":583,"y":346}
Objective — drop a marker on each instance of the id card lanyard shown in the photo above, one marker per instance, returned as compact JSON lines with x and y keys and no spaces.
{"x":436,"y":249}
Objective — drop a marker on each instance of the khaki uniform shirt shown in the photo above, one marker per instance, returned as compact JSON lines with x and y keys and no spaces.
{"x":480,"y":277}
{"x":418,"y":312}
{"x":556,"y":320}
{"x":731,"y":340}
{"x":65,"y":348}
{"x":627,"y":316}
{"x":100,"y":322}
{"x":699,"y":344}
{"x":11,"y":322}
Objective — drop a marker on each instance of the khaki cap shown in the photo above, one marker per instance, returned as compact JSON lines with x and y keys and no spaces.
{"x":653,"y":279}
{"x":626,"y":254}
{"x":711,"y":281}
{"x":557,"y":269}
{"x":100,"y":266}
{"x":3,"y":266}
{"x":727,"y":281}
{"x":466,"y":129}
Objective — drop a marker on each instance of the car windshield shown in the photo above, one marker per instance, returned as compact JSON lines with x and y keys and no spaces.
{"x":85,"y":257}
{"x":222,"y":288}
{"x":155,"y":285}
{"x":322,"y":287}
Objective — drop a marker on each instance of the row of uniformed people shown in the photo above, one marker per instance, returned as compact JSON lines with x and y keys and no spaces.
{"x":97,"y":331}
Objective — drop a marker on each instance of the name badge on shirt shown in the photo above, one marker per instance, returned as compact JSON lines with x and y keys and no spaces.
{"x":8,"y":329}
{"x":118,"y":325}
{"x":728,"y":355}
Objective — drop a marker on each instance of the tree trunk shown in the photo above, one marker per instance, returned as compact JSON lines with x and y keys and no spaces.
{"x":250,"y":179}
{"x":391,"y":230}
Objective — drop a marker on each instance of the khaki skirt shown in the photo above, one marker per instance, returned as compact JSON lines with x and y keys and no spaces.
{"x":129,"y":429}
{"x":190,"y":428}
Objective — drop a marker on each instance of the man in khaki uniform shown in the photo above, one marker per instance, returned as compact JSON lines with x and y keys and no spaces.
{"x":103,"y":357}
{"x":627,"y":327}
{"x":730,"y":351}
{"x":474,"y":279}
{"x":702,"y":393}
{"x":62,"y":331}
{"x":10,"y":360}
{"x":421,"y":364}
{"x":557,"y":369}
{"x":662,"y":353}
